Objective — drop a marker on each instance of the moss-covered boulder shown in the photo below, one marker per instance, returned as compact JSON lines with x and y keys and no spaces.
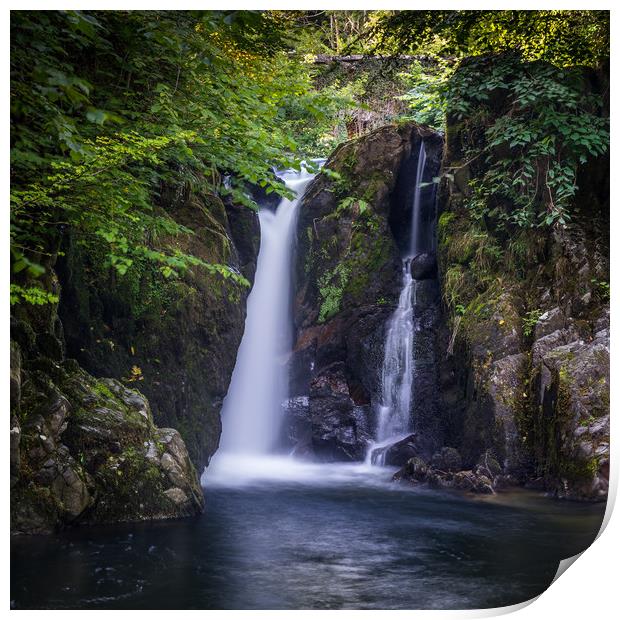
{"x":444,"y":473}
{"x":86,"y":450}
{"x":572,"y":422}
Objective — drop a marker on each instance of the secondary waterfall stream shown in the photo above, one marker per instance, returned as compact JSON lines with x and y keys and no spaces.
{"x":417,"y":241}
{"x":397,"y":370}
{"x":398,"y":362}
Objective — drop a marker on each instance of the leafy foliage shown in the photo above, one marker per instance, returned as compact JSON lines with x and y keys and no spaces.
{"x":428,"y":83}
{"x":529,"y":321}
{"x":355,"y":98}
{"x":563,"y":38}
{"x":109,"y":107}
{"x":34,"y":295}
{"x":359,"y":205}
{"x":537,"y":123}
{"x":318,"y":134}
{"x":331,"y":289}
{"x":326,"y":32}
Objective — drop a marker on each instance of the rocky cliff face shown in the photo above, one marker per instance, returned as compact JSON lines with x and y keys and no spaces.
{"x":347,"y":281}
{"x":177,"y":341}
{"x":512,"y":379}
{"x":525,"y":349}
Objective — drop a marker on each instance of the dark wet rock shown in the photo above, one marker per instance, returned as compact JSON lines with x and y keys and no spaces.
{"x":265,"y":200}
{"x":488,"y":465}
{"x":177,"y":337}
{"x":508,"y":390}
{"x":602,"y":323}
{"x":481,"y":382}
{"x":348,"y":276}
{"x":338,"y":427}
{"x":297,"y":432}
{"x":428,"y":294}
{"x":50,"y":346}
{"x":244,"y":230}
{"x":301,"y":367}
{"x":400,"y":452}
{"x":573,"y":398}
{"x":15,"y":376}
{"x":15,"y":439}
{"x":447,"y":459}
{"x":475,"y":483}
{"x":15,"y":384}
{"x":327,"y":424}
{"x":549,"y":322}
{"x":543,"y":345}
{"x":424,"y":267}
{"x":417,"y":471}
{"x":415,"y":468}
{"x":335,"y":434}
{"x":506,"y":481}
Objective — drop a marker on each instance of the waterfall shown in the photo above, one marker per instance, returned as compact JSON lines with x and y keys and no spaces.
{"x":252,"y":409}
{"x":398,"y":362}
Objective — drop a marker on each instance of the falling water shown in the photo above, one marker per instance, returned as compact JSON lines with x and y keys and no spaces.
{"x":416,"y":230}
{"x":397,"y":371}
{"x":398,"y":362}
{"x":252,"y":411}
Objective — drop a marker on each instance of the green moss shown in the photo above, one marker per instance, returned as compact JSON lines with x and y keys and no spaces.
{"x":562,"y":466}
{"x":344,"y":164}
{"x":366,"y":260}
{"x":372,"y":187}
{"x":134,"y":488}
{"x":33,"y":506}
{"x":103,"y":390}
{"x":443,"y":227}
{"x":94,"y":404}
{"x":577,"y":471}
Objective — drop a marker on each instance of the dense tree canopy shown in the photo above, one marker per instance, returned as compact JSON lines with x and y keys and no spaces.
{"x":106,"y":106}
{"x":560,"y":37}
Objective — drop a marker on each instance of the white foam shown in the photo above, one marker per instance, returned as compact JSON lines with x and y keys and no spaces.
{"x":235,"y":470}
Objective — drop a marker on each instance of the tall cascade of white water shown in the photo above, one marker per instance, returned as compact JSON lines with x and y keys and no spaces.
{"x":398,"y":363}
{"x":252,"y":409}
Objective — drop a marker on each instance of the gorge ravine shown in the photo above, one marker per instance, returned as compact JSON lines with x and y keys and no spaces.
{"x":347,"y":277}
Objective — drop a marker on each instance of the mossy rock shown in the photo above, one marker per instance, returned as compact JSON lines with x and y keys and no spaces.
{"x":90,"y":452}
